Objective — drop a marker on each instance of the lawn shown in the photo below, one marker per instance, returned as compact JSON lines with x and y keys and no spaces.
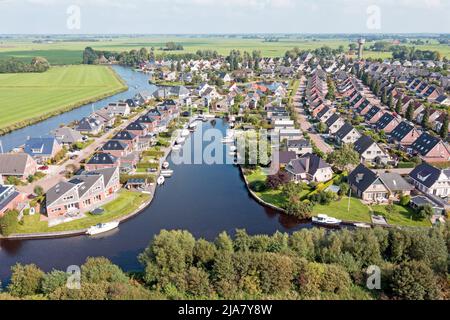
{"x":339,"y":209}
{"x":126,"y":203}
{"x":403,"y":216}
{"x":29,"y":97}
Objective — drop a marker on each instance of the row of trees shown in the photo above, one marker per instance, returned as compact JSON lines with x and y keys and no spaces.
{"x":13,"y":65}
{"x":309,"y":264}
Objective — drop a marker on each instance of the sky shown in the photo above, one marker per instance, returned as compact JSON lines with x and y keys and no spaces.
{"x":223,"y":16}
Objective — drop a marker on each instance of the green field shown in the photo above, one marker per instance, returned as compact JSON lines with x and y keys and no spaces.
{"x":29,"y":97}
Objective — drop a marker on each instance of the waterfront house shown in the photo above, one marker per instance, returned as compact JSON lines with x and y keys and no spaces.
{"x":42,"y":149}
{"x":118,"y":109}
{"x":308,"y":168}
{"x":10,"y":198}
{"x":89,"y":126}
{"x":103,"y":118}
{"x":102,"y":160}
{"x":19,"y":165}
{"x":347,"y":134}
{"x":143,"y":97}
{"x":366,"y":185}
{"x":299,"y":146}
{"x":67,"y":136}
{"x":431,"y":180}
{"x":368,"y":149}
{"x":83,"y":193}
{"x":430,"y":148}
{"x":285,"y":157}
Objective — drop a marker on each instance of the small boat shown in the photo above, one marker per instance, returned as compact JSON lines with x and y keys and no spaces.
{"x":102,"y":227}
{"x":180,"y":140}
{"x":227,"y":140}
{"x":176,"y":148}
{"x":185,"y":132}
{"x":165,"y":165}
{"x":233,"y":148}
{"x":193,"y":125}
{"x":166,"y":173}
{"x":326,"y":220}
{"x":160,"y":180}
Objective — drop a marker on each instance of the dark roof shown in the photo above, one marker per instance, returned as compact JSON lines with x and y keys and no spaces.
{"x":114,"y":145}
{"x":145,"y":119}
{"x":372,"y":112}
{"x":298,"y":143}
{"x":426,"y":174}
{"x":286,"y":156}
{"x":385,"y":119}
{"x":362,"y":178}
{"x":102,"y":158}
{"x":401,"y":131}
{"x":14,"y":164}
{"x":394,"y":182}
{"x":363,"y":143}
{"x":334,"y":117}
{"x":344,"y":130}
{"x":135,"y":126}
{"x":124,"y":135}
{"x":424,"y":143}
{"x":40,"y":146}
{"x":309,"y":163}
{"x":323,"y":112}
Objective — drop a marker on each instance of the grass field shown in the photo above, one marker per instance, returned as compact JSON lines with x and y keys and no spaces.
{"x":71,"y":52}
{"x":29,"y":97}
{"x":126,"y":203}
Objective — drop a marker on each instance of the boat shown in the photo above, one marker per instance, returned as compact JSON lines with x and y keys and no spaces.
{"x":165,"y":165}
{"x":227,"y":140}
{"x":160,"y":180}
{"x":102,"y":227}
{"x":180,"y":140}
{"x":233,"y":148}
{"x":193,"y":125}
{"x":176,"y":148}
{"x":185,"y":132}
{"x":166,"y":173}
{"x":323,"y":219}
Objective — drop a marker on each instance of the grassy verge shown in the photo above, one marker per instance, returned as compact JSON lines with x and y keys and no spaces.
{"x":125,"y":203}
{"x":402,"y":216}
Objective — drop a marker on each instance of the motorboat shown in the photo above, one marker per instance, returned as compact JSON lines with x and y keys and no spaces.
{"x":160,"y":180}
{"x":165,"y":165}
{"x":362,"y":225}
{"x":166,"y":173}
{"x":227,"y":140}
{"x":323,"y":219}
{"x":102,"y":227}
{"x":185,"y":132}
{"x":180,"y":140}
{"x":233,"y":148}
{"x":176,"y":148}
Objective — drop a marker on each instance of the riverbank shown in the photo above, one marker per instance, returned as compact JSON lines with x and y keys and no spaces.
{"x":50,"y":95}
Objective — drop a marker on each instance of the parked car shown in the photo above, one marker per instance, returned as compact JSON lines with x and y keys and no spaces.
{"x":43,"y":168}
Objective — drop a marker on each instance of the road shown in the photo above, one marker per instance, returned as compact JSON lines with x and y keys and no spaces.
{"x":305,"y":124}
{"x":54,"y":176}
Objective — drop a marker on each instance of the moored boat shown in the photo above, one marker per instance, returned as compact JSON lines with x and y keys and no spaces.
{"x":323,"y":219}
{"x":102,"y":227}
{"x":166,"y":173}
{"x":160,"y":180}
{"x":180,"y":140}
{"x":185,"y":132}
{"x":165,"y":165}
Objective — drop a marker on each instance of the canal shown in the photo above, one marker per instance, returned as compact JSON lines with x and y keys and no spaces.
{"x":203,"y":199}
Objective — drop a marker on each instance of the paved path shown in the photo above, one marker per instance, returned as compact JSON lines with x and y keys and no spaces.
{"x":305,"y":125}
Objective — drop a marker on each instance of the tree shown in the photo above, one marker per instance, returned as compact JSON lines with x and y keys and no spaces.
{"x":53,"y":280}
{"x":426,"y":118}
{"x":25,"y":280}
{"x":277,"y":180}
{"x":38,"y":191}
{"x":425,"y":212}
{"x":391,"y":102}
{"x":89,"y":56}
{"x":444,"y":129}
{"x":404,"y":200}
{"x":409,"y":112}
{"x":414,"y":280}
{"x":384,"y":99}
{"x":398,"y":106}
{"x":322,"y":127}
{"x":345,"y":157}
{"x":9,"y":222}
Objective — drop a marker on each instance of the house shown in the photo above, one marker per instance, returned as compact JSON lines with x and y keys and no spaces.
{"x":325,"y":114}
{"x":334,"y":123}
{"x":431,"y":180}
{"x":368,"y":149}
{"x":300,"y":146}
{"x":396,"y":185}
{"x":347,"y":134}
{"x":290,"y":134}
{"x":143,"y":97}
{"x":430,"y":148}
{"x":83,"y":193}
{"x":373,"y":115}
{"x":283,"y":124}
{"x":150,"y":123}
{"x":102,"y":160}
{"x":367,"y":185}
{"x":404,"y":134}
{"x":284,"y":157}
{"x":42,"y":149}
{"x":116,"y":148}
{"x":67,"y":136}
{"x":127,"y":137}
{"x":118,"y":109}
{"x":225,"y":77}
{"x":89,"y":126}
{"x":132,"y":103}
{"x":308,"y":168}
{"x":137,"y":128}
{"x":10,"y":198}
{"x":20,"y":165}
{"x":104,"y":118}
{"x":387,"y":122}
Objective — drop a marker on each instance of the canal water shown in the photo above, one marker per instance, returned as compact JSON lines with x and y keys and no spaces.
{"x":136,"y":81}
{"x":203,"y":199}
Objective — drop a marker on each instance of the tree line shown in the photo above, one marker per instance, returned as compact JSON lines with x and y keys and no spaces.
{"x":13,"y":65}
{"x":308,"y":264}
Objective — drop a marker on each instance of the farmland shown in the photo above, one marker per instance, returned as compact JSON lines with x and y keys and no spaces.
{"x":28,"y":98}
{"x":70,"y":52}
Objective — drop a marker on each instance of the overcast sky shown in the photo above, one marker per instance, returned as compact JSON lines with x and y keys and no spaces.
{"x":224,"y":16}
